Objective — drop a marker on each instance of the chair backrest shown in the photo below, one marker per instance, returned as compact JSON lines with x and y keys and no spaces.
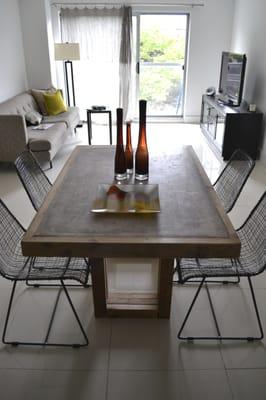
{"x":34,"y":180}
{"x":233,"y":177}
{"x":11,"y":233}
{"x":253,"y":238}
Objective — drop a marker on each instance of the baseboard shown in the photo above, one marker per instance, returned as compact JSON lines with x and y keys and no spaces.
{"x":192,"y":119}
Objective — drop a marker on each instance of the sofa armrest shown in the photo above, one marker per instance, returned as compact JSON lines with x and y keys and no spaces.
{"x":13,"y":136}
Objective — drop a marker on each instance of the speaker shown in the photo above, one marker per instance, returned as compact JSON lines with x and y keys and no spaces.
{"x":210,"y":91}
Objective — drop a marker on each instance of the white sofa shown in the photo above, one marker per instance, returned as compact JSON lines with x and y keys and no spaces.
{"x":16,"y":136}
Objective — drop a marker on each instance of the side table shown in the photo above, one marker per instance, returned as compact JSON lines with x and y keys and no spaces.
{"x":92,"y":111}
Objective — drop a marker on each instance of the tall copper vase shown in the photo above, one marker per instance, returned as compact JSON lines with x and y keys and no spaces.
{"x":120,"y":159}
{"x":129,"y":150}
{"x":142,"y":155}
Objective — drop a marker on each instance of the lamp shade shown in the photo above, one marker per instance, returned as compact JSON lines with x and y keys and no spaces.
{"x":66,"y":51}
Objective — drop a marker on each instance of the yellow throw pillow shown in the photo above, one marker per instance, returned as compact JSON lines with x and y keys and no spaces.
{"x":54,"y":103}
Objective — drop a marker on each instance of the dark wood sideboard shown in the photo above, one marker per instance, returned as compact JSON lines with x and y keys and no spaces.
{"x":228,"y":128}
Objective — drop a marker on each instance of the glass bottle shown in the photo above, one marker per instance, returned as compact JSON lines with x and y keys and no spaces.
{"x":142,"y":155}
{"x":120,"y":159}
{"x":129,"y":150}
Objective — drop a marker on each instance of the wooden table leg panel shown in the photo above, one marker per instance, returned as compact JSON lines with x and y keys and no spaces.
{"x":165,"y":284}
{"x":98,"y":287}
{"x":89,"y":126}
{"x":110,"y":127}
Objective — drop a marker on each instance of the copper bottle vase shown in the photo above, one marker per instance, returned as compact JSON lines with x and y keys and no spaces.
{"x":142,"y":155}
{"x":129,"y":150}
{"x":120,"y":159}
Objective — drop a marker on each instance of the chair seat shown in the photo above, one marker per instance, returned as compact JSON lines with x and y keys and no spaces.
{"x":58,"y":268}
{"x":216,"y":267}
{"x":45,"y":268}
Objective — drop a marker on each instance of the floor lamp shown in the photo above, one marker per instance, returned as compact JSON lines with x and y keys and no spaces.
{"x":68,"y":52}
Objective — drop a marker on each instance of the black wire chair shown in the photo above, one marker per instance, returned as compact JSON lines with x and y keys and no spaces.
{"x":233,"y":177}
{"x":229,"y":185}
{"x":252,"y":261}
{"x":34,"y":180}
{"x":15,"y":267}
{"x":37,"y":186}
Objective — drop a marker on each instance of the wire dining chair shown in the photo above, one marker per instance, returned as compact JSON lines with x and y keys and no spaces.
{"x":15,"y":267}
{"x":228,"y":187}
{"x":37,"y":186}
{"x":34,"y":180}
{"x":233,"y":177}
{"x":252,"y":261}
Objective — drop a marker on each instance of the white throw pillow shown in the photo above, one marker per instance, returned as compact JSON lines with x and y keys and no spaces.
{"x":33,"y":118}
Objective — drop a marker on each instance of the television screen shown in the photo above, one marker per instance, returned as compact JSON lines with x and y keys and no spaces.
{"x":232,"y":78}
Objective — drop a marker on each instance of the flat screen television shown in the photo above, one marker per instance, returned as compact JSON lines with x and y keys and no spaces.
{"x":232,"y":77}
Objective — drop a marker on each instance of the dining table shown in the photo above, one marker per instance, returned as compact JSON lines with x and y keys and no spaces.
{"x":187,"y":221}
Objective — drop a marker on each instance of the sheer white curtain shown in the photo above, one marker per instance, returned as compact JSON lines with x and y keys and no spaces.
{"x":103,"y":76}
{"x":125,"y":66}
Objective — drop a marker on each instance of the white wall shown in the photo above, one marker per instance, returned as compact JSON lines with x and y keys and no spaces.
{"x":210,"y":34}
{"x":12,"y":65}
{"x":248,"y":37}
{"x":36,"y":28}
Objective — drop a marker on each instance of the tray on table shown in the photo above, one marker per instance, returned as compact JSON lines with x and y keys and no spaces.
{"x":127,"y":198}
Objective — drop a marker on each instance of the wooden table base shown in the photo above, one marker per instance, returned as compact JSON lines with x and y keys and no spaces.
{"x":132,"y":304}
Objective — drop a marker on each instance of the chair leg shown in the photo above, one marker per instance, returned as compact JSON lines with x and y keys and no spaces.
{"x":76,"y":316}
{"x":213,"y":311}
{"x":256,"y":310}
{"x":219,"y":336}
{"x":45,"y":342}
{"x":52,"y":316}
{"x":188,"y":313}
{"x":8,"y":315}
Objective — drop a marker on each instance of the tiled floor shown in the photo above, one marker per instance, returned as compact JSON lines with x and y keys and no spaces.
{"x":135,"y":358}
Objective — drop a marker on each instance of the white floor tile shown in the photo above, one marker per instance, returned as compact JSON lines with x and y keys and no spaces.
{"x":53,"y":385}
{"x":143,"y":385}
{"x":153,"y":345}
{"x":144,"y":344}
{"x":258,"y":281}
{"x":207,"y":385}
{"x":192,"y":385}
{"x":248,"y":384}
{"x":94,"y":357}
{"x":236,"y":316}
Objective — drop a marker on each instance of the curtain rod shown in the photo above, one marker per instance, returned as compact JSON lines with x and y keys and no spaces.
{"x":134,"y":4}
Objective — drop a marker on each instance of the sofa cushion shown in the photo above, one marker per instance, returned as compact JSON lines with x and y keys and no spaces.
{"x":70,"y":117}
{"x":20,"y":104}
{"x":54,"y":103}
{"x":44,"y":140}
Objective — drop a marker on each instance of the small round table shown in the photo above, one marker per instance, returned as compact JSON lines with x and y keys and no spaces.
{"x":93,"y":111}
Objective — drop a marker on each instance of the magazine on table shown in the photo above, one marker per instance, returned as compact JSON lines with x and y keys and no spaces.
{"x":42,"y":126}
